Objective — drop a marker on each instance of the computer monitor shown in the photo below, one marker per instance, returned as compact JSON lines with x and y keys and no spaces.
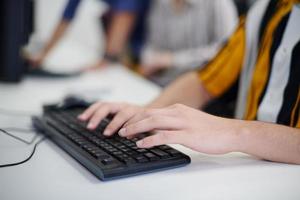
{"x":16,"y":27}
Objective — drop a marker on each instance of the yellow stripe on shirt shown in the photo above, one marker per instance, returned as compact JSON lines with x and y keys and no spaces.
{"x":298,"y":122}
{"x":293,"y":120}
{"x":261,"y":70}
{"x":221,"y":73}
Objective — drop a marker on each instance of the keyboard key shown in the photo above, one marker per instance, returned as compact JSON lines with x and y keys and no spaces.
{"x":164,"y":147}
{"x":134,"y":139}
{"x":173,"y":152}
{"x":83,"y":142}
{"x":116,"y":153}
{"x":101,"y":156}
{"x":151,"y":156}
{"x":160,"y":153}
{"x":130,"y":152}
{"x":141,"y":150}
{"x":108,"y":161}
{"x":140,"y":158}
{"x":135,"y":148}
{"x":129,"y":161}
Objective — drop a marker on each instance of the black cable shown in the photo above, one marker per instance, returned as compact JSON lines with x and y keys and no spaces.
{"x":5,"y":131}
{"x":27,"y":159}
{"x":25,"y":142}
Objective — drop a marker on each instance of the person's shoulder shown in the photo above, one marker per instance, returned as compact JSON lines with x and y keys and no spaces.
{"x":127,"y":4}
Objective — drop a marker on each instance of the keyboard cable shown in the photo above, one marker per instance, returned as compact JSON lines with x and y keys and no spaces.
{"x":7,"y":132}
{"x":25,"y":142}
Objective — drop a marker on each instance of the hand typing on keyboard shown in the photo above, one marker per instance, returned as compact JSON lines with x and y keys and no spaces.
{"x":177,"y":124}
{"x":97,"y":112}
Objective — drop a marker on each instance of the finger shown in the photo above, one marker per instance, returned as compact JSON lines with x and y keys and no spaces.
{"x":118,"y":121}
{"x":151,"y":123}
{"x":137,"y":135}
{"x":148,"y":113}
{"x":140,"y":116}
{"x":98,"y":116}
{"x":89,"y":111}
{"x":162,"y":137}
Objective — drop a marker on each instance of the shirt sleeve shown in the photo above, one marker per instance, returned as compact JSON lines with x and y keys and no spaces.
{"x":193,"y":58}
{"x":224,"y":69}
{"x":70,"y":9}
{"x":127,"y":5}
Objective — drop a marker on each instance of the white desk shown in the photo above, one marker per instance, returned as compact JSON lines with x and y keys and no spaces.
{"x":52,"y":174}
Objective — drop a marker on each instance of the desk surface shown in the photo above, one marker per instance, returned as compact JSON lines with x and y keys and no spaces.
{"x":52,"y":174}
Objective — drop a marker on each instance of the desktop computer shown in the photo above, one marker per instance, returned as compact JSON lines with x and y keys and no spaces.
{"x":16,"y":27}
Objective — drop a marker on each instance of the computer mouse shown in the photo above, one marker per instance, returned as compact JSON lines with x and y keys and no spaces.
{"x":73,"y":101}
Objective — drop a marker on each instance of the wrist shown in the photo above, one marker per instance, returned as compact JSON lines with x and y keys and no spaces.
{"x":43,"y":54}
{"x":112,"y":58}
{"x":154,"y":104}
{"x":167,"y":59}
{"x":240,"y":136}
{"x":235,"y":131}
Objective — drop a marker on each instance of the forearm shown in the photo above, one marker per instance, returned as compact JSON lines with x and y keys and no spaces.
{"x":118,"y":32}
{"x":194,"y":57}
{"x":56,"y":36}
{"x":148,"y":52}
{"x":185,"y":90}
{"x":268,"y":141}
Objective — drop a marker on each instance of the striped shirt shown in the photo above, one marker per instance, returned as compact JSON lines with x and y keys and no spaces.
{"x":264,"y":54}
{"x":194,"y":34}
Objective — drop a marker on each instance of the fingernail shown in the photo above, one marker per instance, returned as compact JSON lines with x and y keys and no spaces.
{"x":82,"y":116}
{"x":122,"y":132}
{"x":90,"y":125}
{"x":139,"y":143}
{"x":106,"y":132}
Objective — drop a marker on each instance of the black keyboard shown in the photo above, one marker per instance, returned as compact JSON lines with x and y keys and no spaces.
{"x":106,"y":157}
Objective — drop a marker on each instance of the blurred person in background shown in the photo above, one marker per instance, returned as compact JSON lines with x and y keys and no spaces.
{"x":183,"y":35}
{"x":123,"y":23}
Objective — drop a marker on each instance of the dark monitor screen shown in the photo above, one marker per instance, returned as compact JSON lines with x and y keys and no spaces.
{"x":16,"y":27}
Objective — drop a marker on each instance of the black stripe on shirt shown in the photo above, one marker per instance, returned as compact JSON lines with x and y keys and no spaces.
{"x":270,"y":11}
{"x":292,"y":89}
{"x":277,"y":38}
